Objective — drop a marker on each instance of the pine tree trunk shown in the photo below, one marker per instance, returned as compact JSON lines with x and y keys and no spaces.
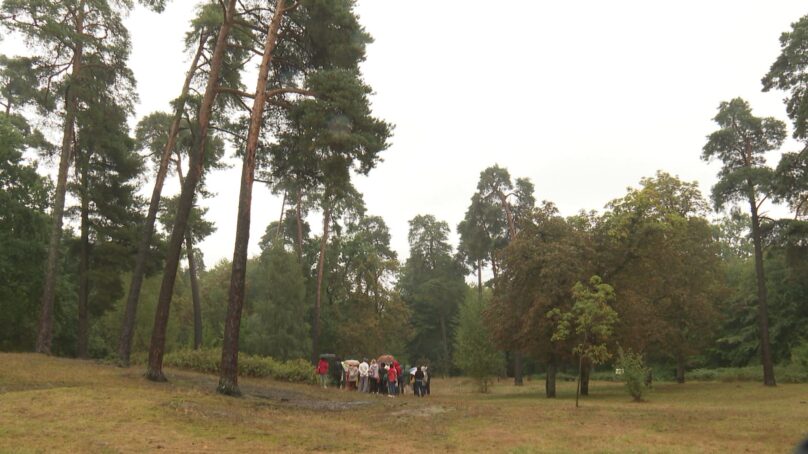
{"x":195,"y":296}
{"x":585,"y":371}
{"x":279,"y":231}
{"x":517,"y":369}
{"x":157,"y":347}
{"x":228,"y":372}
{"x":299,"y":226}
{"x":550,"y":379}
{"x":763,"y":311}
{"x":315,"y":339}
{"x":84,"y":266}
{"x":578,"y":387}
{"x":680,"y":369}
{"x":445,"y":341}
{"x":45,"y":329}
{"x":139,"y":272}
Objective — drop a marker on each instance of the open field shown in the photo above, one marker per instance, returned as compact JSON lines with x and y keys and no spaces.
{"x":51,"y":404}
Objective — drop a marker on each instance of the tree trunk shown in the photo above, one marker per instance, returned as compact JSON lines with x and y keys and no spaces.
{"x":279,"y":231}
{"x":517,"y":369}
{"x":195,"y":296}
{"x":228,"y":376}
{"x":578,"y":387}
{"x":45,"y":329}
{"x":299,"y":226}
{"x":550,"y":379}
{"x":680,"y":369}
{"x":763,"y":311}
{"x":192,"y":269}
{"x":315,"y":338}
{"x":130,"y":313}
{"x":157,"y":347}
{"x":84,"y":266}
{"x":585,"y":371}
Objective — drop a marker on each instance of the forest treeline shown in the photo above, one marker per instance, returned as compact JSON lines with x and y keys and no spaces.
{"x":91,"y":268}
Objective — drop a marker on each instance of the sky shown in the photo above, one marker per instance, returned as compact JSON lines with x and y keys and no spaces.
{"x":585,"y":98}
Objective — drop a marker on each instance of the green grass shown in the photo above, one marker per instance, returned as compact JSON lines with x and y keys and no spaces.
{"x":61,"y":405}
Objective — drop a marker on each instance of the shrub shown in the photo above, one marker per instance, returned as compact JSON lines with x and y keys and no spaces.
{"x":634,"y":373}
{"x":207,"y":361}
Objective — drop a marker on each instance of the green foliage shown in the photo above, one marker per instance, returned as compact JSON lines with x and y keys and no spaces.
{"x":474,"y":351}
{"x":799,"y":356}
{"x":275,"y":323}
{"x":589,"y":322}
{"x":634,"y":373}
{"x":432,"y":285}
{"x":208,"y":361}
{"x":788,"y":73}
{"x":785,"y":374}
{"x":24,"y":197}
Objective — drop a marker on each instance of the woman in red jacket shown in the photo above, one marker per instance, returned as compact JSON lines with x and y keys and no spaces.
{"x":392,"y":376}
{"x":322,"y":372}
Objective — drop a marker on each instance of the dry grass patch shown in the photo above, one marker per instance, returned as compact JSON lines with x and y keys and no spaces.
{"x":60,"y":405}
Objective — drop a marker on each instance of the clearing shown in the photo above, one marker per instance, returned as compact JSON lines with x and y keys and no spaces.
{"x":53,"y":404}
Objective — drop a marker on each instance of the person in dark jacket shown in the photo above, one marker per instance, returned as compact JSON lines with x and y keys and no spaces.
{"x":418,"y":386}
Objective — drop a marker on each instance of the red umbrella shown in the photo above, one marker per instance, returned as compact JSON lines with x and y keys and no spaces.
{"x":387,"y":359}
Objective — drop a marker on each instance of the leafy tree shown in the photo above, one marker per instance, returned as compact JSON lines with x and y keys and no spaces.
{"x":540,"y":267}
{"x":788,"y":73}
{"x":661,"y":256}
{"x":276,"y":325}
{"x":589,"y":323}
{"x":474,"y":351}
{"x":495,"y":187}
{"x":432,"y":285}
{"x":740,"y":145}
{"x":24,"y":199}
{"x":74,"y":41}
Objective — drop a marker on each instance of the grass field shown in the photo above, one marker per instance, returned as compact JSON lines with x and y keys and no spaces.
{"x":51,"y":404}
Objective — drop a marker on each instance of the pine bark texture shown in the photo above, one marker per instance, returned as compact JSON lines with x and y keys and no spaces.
{"x":315,"y":340}
{"x":228,"y":371}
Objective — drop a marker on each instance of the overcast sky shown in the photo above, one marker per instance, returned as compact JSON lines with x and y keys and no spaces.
{"x":583,"y":97}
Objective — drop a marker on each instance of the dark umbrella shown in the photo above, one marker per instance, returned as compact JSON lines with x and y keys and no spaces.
{"x":387,"y":359}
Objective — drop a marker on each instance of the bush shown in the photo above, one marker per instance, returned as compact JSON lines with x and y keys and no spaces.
{"x":207,"y":361}
{"x":793,"y":373}
{"x":634,"y":373}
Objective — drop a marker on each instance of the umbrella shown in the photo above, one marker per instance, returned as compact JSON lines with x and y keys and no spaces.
{"x":413,"y":370}
{"x":351,"y":362}
{"x":387,"y":359}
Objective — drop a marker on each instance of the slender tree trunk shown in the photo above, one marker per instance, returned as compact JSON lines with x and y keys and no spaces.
{"x":494,"y":267}
{"x":279,"y":231}
{"x":585,"y":371}
{"x":578,"y":387}
{"x":130,"y":313}
{"x":763,"y":311}
{"x":195,"y":295}
{"x":84,"y":266}
{"x":315,"y":339}
{"x":445,"y":340}
{"x":550,"y":379}
{"x":299,"y":226}
{"x":157,"y":347}
{"x":45,"y":329}
{"x":192,"y":270}
{"x":517,"y":369}
{"x":680,"y":369}
{"x":228,"y":376}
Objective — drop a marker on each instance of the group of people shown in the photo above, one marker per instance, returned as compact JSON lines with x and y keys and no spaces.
{"x":374,"y":377}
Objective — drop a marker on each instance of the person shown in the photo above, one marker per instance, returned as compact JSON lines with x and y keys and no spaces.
{"x":322,"y":372}
{"x":392,"y":376}
{"x":336,"y":372}
{"x":418,"y":386}
{"x":427,"y":379}
{"x":364,"y":368}
{"x":373,"y":373}
{"x":397,"y":367}
{"x":353,"y":376}
{"x":383,"y":379}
